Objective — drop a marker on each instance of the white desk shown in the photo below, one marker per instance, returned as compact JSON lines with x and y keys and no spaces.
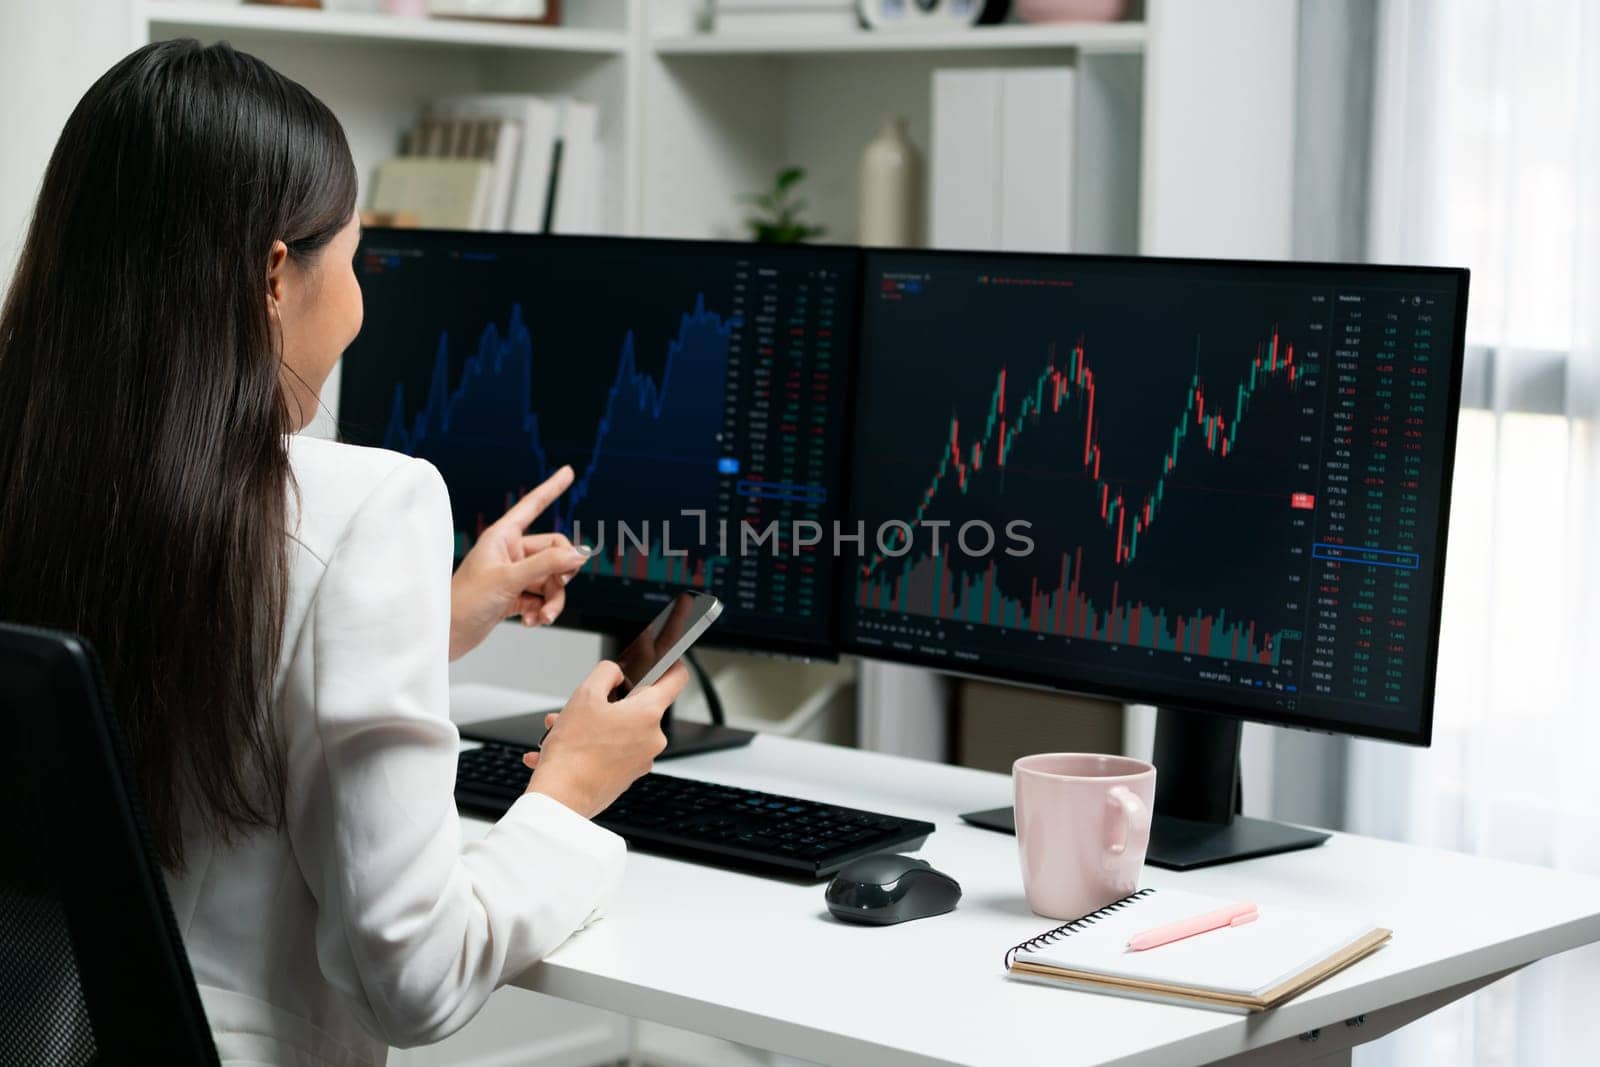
{"x":761,"y":962}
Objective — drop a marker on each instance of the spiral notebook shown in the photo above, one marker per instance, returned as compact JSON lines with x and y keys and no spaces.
{"x":1246,"y":968}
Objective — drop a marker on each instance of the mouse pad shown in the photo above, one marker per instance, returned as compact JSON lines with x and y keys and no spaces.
{"x":1002,"y":819}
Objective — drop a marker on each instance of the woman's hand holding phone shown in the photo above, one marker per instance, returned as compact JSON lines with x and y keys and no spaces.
{"x":598,"y":747}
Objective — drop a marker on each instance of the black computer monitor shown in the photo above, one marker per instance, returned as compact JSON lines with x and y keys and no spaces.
{"x":1216,"y":487}
{"x":698,"y":389}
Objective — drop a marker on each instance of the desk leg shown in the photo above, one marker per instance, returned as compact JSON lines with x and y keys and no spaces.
{"x":1330,"y":1046}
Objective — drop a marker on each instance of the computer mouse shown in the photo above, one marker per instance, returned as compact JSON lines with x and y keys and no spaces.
{"x":886,"y":888}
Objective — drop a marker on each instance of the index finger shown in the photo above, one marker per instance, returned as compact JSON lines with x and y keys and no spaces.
{"x":523,"y":512}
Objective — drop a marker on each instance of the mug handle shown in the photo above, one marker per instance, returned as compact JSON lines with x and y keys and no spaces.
{"x":1131,"y":808}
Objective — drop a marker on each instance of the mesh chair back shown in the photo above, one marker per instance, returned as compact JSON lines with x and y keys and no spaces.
{"x":92,"y":969}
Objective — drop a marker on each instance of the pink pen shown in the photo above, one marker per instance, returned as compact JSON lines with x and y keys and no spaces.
{"x":1233,"y":915}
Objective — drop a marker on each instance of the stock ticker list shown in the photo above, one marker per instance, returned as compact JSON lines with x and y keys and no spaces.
{"x":785,"y":377}
{"x":1368,"y":575}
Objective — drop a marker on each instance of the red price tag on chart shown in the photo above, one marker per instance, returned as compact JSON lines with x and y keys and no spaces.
{"x":1303,"y":501}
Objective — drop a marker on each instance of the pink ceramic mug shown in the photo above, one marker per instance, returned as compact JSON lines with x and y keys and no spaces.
{"x":1083,"y":824}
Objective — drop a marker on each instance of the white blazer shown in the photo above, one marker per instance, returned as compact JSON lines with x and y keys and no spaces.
{"x":367,"y":922}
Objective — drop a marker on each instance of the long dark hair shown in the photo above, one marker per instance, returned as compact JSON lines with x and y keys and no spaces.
{"x":144,"y":468}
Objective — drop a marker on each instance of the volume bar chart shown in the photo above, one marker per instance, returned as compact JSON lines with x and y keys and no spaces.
{"x":652,"y":563}
{"x":930,"y":587}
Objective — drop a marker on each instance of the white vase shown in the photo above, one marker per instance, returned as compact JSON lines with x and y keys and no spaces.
{"x":891,"y":188}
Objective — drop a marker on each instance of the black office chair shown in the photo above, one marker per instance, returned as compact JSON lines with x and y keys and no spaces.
{"x":92,"y":970}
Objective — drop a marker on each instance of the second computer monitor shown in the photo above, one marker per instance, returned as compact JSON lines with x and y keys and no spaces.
{"x":1209,"y":485}
{"x":698,"y":390}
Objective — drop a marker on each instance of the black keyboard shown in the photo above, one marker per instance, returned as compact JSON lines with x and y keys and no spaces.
{"x":707,"y":823}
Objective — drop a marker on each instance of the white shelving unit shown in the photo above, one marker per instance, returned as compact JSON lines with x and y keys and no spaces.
{"x":689,"y":120}
{"x":1085,"y":37}
{"x":296,"y":22}
{"x":1184,"y":136}
{"x":1173,"y":160}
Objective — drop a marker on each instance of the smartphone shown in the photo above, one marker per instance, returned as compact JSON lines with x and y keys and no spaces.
{"x":664,"y":641}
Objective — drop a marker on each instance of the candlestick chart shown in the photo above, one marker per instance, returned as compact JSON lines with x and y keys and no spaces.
{"x":1156,"y":460}
{"x":1069,"y":393}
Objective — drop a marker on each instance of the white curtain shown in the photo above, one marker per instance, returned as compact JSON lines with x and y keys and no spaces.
{"x":1487,"y":155}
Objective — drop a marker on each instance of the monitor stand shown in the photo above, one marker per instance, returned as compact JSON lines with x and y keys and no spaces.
{"x":683,"y":738}
{"x":1198,"y":796}
{"x":690,"y":738}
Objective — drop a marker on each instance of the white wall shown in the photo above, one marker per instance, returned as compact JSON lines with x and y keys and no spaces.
{"x":50,"y":52}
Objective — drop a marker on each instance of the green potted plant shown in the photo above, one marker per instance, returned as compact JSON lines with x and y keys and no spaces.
{"x":777,"y":219}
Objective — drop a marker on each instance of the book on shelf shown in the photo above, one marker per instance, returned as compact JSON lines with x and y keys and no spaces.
{"x":575,"y":190}
{"x":494,"y":138}
{"x":449,"y":194}
{"x":539,"y":12}
{"x":543,"y":155}
{"x":785,"y":16}
{"x":401,"y":219}
{"x":548,"y":128}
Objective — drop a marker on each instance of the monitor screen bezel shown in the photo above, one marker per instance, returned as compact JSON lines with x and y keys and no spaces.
{"x":873,"y":258}
{"x":619,"y":627}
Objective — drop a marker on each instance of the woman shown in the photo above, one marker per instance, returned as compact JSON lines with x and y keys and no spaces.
{"x":275,"y":614}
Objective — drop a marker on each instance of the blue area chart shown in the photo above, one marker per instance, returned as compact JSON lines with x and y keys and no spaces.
{"x":654,"y":432}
